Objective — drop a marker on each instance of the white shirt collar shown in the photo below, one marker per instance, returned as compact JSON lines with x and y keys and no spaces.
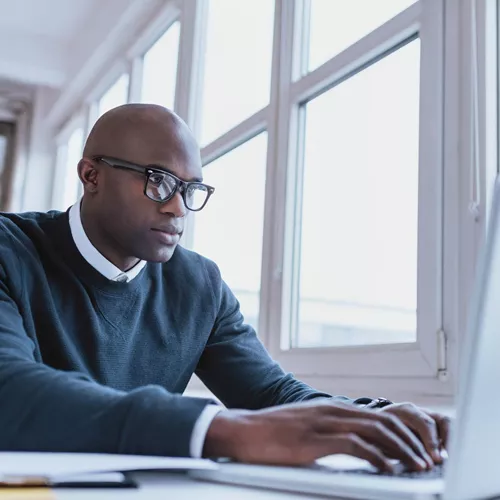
{"x":93,"y":256}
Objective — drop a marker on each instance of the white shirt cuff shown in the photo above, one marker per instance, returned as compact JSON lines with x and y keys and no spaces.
{"x":200,"y":429}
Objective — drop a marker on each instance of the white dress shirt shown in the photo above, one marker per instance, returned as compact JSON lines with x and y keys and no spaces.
{"x":109,"y":270}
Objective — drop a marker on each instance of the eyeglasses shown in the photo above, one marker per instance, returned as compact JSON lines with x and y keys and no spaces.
{"x":161,"y":186}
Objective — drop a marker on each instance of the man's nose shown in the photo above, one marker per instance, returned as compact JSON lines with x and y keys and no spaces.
{"x":175,"y":206}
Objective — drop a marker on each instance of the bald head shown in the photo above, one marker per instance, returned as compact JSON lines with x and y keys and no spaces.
{"x":141,"y":133}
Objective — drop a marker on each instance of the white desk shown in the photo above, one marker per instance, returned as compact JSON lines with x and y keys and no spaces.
{"x":167,"y":486}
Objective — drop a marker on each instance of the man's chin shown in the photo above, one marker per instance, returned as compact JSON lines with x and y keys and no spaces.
{"x":160,"y":256}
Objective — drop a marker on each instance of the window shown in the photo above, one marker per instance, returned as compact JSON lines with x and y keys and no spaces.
{"x":7,"y":137}
{"x":237,"y":76}
{"x":115,"y":96}
{"x":237,"y":206}
{"x":3,"y":152}
{"x":235,"y":83}
{"x":74,"y":154}
{"x":336,"y":24}
{"x":340,"y":229}
{"x":354,"y":279}
{"x":358,"y":259}
{"x":69,"y":153}
{"x":160,"y":69}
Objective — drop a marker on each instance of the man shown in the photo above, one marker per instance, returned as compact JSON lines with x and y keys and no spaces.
{"x":103,"y":320}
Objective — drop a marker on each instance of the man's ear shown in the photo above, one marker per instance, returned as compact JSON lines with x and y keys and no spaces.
{"x":88,"y":172}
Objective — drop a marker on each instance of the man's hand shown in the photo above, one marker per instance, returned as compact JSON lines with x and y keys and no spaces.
{"x":432,"y":429}
{"x":299,"y":433}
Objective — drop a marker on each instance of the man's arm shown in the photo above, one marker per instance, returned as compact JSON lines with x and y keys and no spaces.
{"x":44,"y":409}
{"x":237,"y":368}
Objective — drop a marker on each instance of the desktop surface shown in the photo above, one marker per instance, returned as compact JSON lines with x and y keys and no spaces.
{"x":159,"y":486}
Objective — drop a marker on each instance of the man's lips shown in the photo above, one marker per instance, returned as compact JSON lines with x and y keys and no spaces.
{"x":168,"y":229}
{"x":168,"y":235}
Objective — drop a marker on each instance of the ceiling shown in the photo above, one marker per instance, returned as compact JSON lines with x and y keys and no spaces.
{"x":54,"y":19}
{"x":42,"y":42}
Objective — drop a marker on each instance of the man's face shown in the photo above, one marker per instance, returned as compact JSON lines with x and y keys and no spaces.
{"x":133,"y":224}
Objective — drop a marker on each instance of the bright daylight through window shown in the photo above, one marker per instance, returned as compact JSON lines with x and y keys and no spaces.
{"x":115,"y":96}
{"x":237,"y":75}
{"x":358,"y":267}
{"x":73,"y":154}
{"x":335,"y":25}
{"x":229,"y":229}
{"x":3,"y":152}
{"x":160,"y":69}
{"x":236,"y":84}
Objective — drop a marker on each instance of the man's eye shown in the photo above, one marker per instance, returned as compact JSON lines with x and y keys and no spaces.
{"x":156,"y":179}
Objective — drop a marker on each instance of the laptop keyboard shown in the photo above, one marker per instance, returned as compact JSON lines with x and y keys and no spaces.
{"x":436,"y":472}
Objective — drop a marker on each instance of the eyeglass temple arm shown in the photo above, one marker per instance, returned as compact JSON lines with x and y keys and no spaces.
{"x":123,"y":165}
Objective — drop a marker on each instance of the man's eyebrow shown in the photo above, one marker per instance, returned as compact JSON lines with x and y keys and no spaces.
{"x":155,"y":166}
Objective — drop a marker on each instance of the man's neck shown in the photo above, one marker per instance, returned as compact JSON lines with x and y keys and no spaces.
{"x":103,"y":243}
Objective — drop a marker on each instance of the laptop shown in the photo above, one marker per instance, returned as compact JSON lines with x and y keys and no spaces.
{"x":472,"y":470}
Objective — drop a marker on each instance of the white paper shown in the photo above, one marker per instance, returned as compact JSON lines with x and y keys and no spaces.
{"x":96,"y":477}
{"x":55,"y":465}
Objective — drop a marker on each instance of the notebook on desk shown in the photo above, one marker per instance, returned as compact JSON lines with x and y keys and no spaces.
{"x":85,"y":470}
{"x":471,"y":469}
{"x":93,"y":480}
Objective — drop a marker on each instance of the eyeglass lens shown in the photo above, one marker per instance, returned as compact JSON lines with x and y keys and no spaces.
{"x":161,"y":186}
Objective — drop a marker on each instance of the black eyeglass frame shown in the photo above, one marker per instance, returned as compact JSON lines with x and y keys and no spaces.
{"x":148,"y":170}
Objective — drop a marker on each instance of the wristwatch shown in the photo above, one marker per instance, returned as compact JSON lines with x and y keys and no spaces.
{"x":378,"y":403}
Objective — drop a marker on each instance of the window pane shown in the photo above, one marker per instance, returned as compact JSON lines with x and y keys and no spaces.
{"x":115,"y":96}
{"x":229,"y":229}
{"x":74,"y":154}
{"x":237,"y":77}
{"x":336,"y":24}
{"x":358,"y":269}
{"x":160,"y":69}
{"x":3,"y":152}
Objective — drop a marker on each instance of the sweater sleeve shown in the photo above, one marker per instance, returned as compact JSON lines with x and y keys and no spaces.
{"x":237,"y":368}
{"x":44,"y":409}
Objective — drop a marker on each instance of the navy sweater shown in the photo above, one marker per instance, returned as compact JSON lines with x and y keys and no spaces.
{"x":92,"y":365}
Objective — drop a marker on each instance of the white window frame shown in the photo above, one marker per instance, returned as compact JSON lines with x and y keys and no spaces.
{"x":464,"y":232}
{"x":355,"y":365}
